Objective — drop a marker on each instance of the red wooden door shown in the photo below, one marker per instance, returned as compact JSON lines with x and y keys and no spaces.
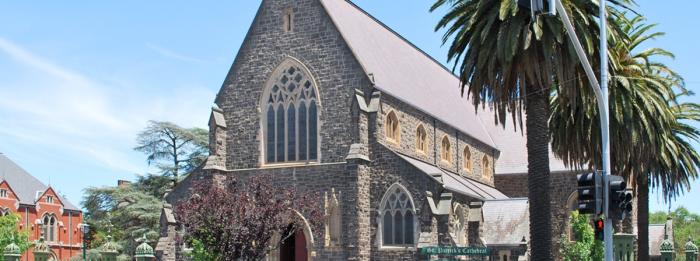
{"x":300,"y":246}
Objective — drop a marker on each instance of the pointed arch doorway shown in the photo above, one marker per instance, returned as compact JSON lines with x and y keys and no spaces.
{"x":294,"y":248}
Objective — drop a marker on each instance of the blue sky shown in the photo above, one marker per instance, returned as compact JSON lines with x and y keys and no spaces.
{"x":79,"y":79}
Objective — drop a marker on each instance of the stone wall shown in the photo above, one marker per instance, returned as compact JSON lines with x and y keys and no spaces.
{"x":317,"y":44}
{"x":410,"y":118}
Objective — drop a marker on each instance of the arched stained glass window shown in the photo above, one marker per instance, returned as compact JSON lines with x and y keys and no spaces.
{"x":397,"y":221}
{"x":49,"y":226}
{"x":291,"y":116}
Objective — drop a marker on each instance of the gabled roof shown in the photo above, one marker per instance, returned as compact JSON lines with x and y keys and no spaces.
{"x":506,"y":222}
{"x":403,"y":71}
{"x":24,"y":184}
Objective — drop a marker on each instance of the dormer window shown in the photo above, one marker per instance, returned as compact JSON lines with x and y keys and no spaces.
{"x":3,"y":193}
{"x":49,"y":199}
{"x":288,"y":20}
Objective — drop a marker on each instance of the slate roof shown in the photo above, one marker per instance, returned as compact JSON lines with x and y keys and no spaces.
{"x":454,"y":182}
{"x":24,"y":184}
{"x":506,"y":221}
{"x":403,"y":71}
{"x":513,"y":146}
{"x":656,"y":235}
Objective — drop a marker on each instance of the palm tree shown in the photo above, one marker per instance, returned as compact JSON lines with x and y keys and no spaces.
{"x":507,"y":58}
{"x":649,"y":130}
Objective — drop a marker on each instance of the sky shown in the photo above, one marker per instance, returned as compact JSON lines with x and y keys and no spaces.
{"x":80,"y":79}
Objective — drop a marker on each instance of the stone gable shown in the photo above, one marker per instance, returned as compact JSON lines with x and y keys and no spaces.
{"x":316,"y":43}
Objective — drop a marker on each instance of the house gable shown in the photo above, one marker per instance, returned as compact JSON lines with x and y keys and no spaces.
{"x":315,"y":43}
{"x":49,"y":197}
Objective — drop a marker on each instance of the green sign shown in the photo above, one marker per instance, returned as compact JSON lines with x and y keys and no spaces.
{"x":456,"y":251}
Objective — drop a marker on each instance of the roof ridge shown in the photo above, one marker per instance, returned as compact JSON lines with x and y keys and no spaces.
{"x":403,"y":38}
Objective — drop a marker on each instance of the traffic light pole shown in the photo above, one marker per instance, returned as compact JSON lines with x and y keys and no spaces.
{"x":601,"y":94}
{"x":605,"y":129}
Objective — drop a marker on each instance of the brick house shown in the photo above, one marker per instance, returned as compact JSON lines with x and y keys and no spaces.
{"x":42,"y":211}
{"x":324,"y":97}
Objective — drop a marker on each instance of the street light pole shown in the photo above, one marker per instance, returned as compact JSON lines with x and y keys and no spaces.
{"x":85,"y":228}
{"x":605,"y":129}
{"x":601,"y":93}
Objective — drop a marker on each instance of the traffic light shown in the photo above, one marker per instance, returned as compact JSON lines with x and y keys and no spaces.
{"x":590,"y":193}
{"x":620,"y":199}
{"x":599,"y":226}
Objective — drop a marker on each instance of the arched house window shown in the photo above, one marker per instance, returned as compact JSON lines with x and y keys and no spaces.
{"x":446,"y":150}
{"x":290,"y":115}
{"x":49,"y":227}
{"x":397,"y":222}
{"x":393,"y":128}
{"x":467,"y":158}
{"x":485,"y":167}
{"x":421,"y":139}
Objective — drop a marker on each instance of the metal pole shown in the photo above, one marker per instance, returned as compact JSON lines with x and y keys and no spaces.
{"x":601,"y":94}
{"x":605,"y":129}
{"x":84,"y":247}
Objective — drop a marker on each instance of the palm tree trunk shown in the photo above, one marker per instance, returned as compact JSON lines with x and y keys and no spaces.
{"x":643,"y":217}
{"x":538,"y":182}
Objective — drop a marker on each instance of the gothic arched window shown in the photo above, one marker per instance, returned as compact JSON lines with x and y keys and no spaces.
{"x":485,"y":167}
{"x":393,"y":128}
{"x":421,"y":139}
{"x":397,"y":217}
{"x":49,"y":226}
{"x":467,"y":158}
{"x":290,"y":116}
{"x":446,"y":150}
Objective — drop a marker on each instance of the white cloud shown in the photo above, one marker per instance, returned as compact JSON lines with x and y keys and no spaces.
{"x":172,"y":54}
{"x":51,"y":105}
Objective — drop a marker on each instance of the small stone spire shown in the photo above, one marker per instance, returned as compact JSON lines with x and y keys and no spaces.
{"x":144,"y":252}
{"x":691,"y":250}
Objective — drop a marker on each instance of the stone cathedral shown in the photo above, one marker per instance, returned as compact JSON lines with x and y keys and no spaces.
{"x":326,"y":98}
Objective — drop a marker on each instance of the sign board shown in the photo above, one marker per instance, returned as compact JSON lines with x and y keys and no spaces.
{"x":456,"y":251}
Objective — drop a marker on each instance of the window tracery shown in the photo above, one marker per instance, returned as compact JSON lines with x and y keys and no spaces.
{"x":291,"y":118}
{"x":397,"y":217}
{"x":49,"y":227}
